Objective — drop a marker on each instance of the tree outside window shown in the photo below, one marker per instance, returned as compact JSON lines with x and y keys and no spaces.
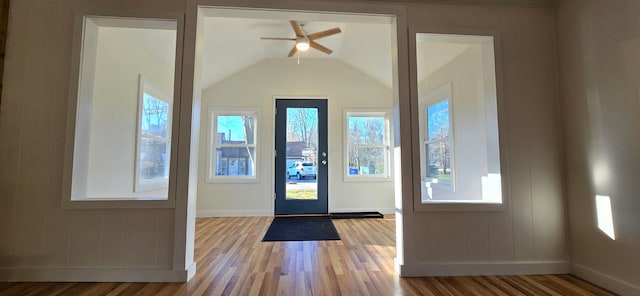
{"x":367,"y":138}
{"x":154,"y":139}
{"x":437,"y":142}
{"x":232,"y":154}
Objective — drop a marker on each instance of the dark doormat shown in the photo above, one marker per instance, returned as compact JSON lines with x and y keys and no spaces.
{"x":301,"y":229}
{"x":356,"y":215}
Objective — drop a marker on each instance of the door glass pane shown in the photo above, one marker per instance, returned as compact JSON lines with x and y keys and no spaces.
{"x":301,"y":154}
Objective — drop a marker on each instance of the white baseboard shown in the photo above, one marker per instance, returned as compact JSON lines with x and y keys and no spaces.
{"x":191,"y":271}
{"x":608,"y":282}
{"x":258,"y":213}
{"x":95,"y":275}
{"x":483,"y":268}
{"x":234,"y":213}
{"x":389,"y":211}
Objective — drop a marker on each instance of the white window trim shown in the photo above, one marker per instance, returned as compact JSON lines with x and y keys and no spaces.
{"x":462,"y":205}
{"x":146,"y":87}
{"x":213,"y":113}
{"x":386,"y":113}
{"x":72,"y":199}
{"x":444,"y":92}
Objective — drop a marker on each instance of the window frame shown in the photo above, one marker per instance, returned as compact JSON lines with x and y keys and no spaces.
{"x":74,"y":172}
{"x":146,"y":87}
{"x":213,"y":113}
{"x":440,"y":94}
{"x":460,"y":205}
{"x":388,"y":162}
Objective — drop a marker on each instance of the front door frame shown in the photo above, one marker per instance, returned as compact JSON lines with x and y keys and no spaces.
{"x":322,"y":181}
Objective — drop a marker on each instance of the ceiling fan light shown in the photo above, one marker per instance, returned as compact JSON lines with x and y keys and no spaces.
{"x":302,"y":45}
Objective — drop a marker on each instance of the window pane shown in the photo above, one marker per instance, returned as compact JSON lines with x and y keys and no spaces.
{"x":155,"y":116}
{"x":366,"y":130}
{"x":438,"y":121}
{"x":154,"y":159}
{"x":367,"y":161}
{"x":439,"y":161}
{"x":235,"y":161}
{"x":236,"y":129}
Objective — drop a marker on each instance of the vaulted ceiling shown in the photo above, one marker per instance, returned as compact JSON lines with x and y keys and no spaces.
{"x":234,"y":43}
{"x":230,"y":41}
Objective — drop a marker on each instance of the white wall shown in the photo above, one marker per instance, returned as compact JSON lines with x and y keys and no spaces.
{"x":256,"y":86}
{"x":114,"y":112}
{"x":599,"y":46}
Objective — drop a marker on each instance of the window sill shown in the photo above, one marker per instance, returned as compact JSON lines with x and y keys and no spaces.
{"x":118,"y":203}
{"x":457,"y":206}
{"x":231,"y":180}
{"x":364,"y":179}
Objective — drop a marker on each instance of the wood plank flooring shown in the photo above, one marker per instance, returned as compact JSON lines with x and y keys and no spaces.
{"x":232,"y":260}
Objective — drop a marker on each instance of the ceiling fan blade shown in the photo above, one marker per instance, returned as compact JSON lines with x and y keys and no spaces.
{"x":278,"y":38}
{"x":296,"y":28}
{"x":293,"y":51}
{"x":324,"y":33}
{"x":319,"y":47}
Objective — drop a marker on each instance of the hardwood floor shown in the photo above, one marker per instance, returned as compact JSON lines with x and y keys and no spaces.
{"x":232,"y":260}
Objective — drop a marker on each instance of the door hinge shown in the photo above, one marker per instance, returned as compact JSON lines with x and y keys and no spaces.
{"x":274,"y":196}
{"x":275,"y":153}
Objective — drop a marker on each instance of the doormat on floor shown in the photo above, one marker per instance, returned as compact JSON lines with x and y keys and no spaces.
{"x":356,"y":215}
{"x":301,"y":229}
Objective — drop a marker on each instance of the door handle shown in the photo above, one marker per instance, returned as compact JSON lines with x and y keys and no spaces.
{"x":324,"y":162}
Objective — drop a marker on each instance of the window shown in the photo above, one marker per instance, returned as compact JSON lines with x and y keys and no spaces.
{"x":233,"y":145}
{"x":154,"y":138}
{"x":457,"y":101}
{"x":367,"y":144}
{"x":437,"y":143}
{"x":121,"y":103}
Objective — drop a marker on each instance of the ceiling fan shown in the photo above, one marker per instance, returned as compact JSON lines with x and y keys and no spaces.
{"x":304,"y":40}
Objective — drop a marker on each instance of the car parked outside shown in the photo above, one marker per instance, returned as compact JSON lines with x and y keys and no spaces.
{"x":301,"y":170}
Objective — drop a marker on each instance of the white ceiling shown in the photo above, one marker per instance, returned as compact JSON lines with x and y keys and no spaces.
{"x":231,"y":42}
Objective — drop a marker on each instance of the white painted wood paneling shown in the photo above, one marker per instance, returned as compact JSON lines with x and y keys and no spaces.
{"x":140,"y":238}
{"x":530,"y":229}
{"x":85,"y":235}
{"x":599,"y":73}
{"x":36,"y":232}
{"x":112,"y":240}
{"x":477,"y":233}
{"x":501,"y":238}
{"x":164,"y":238}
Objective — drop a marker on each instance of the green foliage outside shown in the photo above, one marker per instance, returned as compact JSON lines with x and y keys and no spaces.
{"x":302,"y":194}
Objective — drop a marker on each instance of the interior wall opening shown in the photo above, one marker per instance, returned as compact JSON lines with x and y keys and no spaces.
{"x":240,"y":72}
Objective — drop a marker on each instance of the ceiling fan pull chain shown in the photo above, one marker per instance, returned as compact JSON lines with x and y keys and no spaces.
{"x":298,"y":56}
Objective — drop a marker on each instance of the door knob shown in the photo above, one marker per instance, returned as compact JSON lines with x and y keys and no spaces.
{"x":324,"y":162}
